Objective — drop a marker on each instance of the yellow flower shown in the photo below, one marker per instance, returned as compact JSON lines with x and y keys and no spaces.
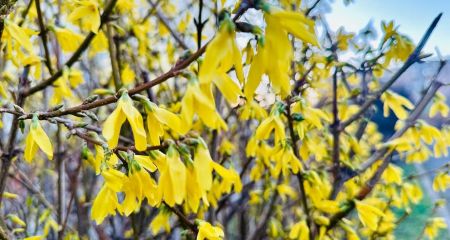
{"x":99,"y":44}
{"x":203,"y":166}
{"x":105,"y":204}
{"x":193,"y":190}
{"x":34,"y":238}
{"x":286,"y":190}
{"x":253,"y":110}
{"x":207,"y":231}
{"x":158,"y":117}
{"x":125,"y":5}
{"x":393,"y":174}
{"x":172,"y":179}
{"x":113,"y":179}
{"x":137,"y":186}
{"x":226,"y":147}
{"x":396,"y":103}
{"x":37,"y":138}
{"x":112,"y":125}
{"x":278,"y":46}
{"x":87,"y":10}
{"x":62,"y":89}
{"x":439,"y":106}
{"x":368,"y":214}
{"x":295,"y":23}
{"x":441,"y":182}
{"x":198,"y":99}
{"x":222,"y":54}
{"x":229,"y":178}
{"x":271,"y":123}
{"x":127,"y":76}
{"x":106,"y":201}
{"x":8,"y":195}
{"x":16,"y":220}
{"x":327,"y":206}
{"x":230,"y":90}
{"x":161,"y":221}
{"x":299,"y":231}
{"x":433,"y":227}
{"x":67,"y":39}
{"x":19,"y":35}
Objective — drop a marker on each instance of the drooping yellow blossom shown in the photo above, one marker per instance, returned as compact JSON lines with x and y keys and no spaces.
{"x":198,"y":99}
{"x":19,"y":35}
{"x":8,"y":195}
{"x":161,"y":221}
{"x":202,"y":163}
{"x":99,"y":44}
{"x":272,"y":123}
{"x":275,"y":55}
{"x":157,"y":117}
{"x":105,"y":203}
{"x":285,"y":160}
{"x":393,"y":174}
{"x":368,"y":214}
{"x":87,"y":11}
{"x":193,"y":190}
{"x":396,"y":103}
{"x":222,"y":54}
{"x":439,"y":106}
{"x":253,"y":110}
{"x":138,"y":185}
{"x":208,"y":231}
{"x":172,"y":179}
{"x":67,"y":39}
{"x":34,"y":238}
{"x":125,"y":5}
{"x":229,"y":178}
{"x":127,"y":75}
{"x":433,"y":227}
{"x":284,"y":190}
{"x":37,"y":138}
{"x":16,"y":220}
{"x":113,"y":179}
{"x":35,"y":62}
{"x":299,"y":231}
{"x":62,"y":90}
{"x":441,"y":182}
{"x":125,"y":111}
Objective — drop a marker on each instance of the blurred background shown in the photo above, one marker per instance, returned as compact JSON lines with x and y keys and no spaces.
{"x":413,"y":18}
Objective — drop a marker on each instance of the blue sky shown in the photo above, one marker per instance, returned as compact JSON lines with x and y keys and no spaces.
{"x":413,"y":16}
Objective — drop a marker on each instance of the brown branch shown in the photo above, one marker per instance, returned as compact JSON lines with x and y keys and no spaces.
{"x":76,"y":131}
{"x":309,"y":10}
{"x":113,"y":57}
{"x":8,"y":154}
{"x":175,"y":71}
{"x":295,"y":139}
{"x":183,"y":219}
{"x":43,"y":34}
{"x":335,"y":131}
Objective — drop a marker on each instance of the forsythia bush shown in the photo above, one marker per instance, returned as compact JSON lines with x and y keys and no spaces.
{"x":207,"y":120}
